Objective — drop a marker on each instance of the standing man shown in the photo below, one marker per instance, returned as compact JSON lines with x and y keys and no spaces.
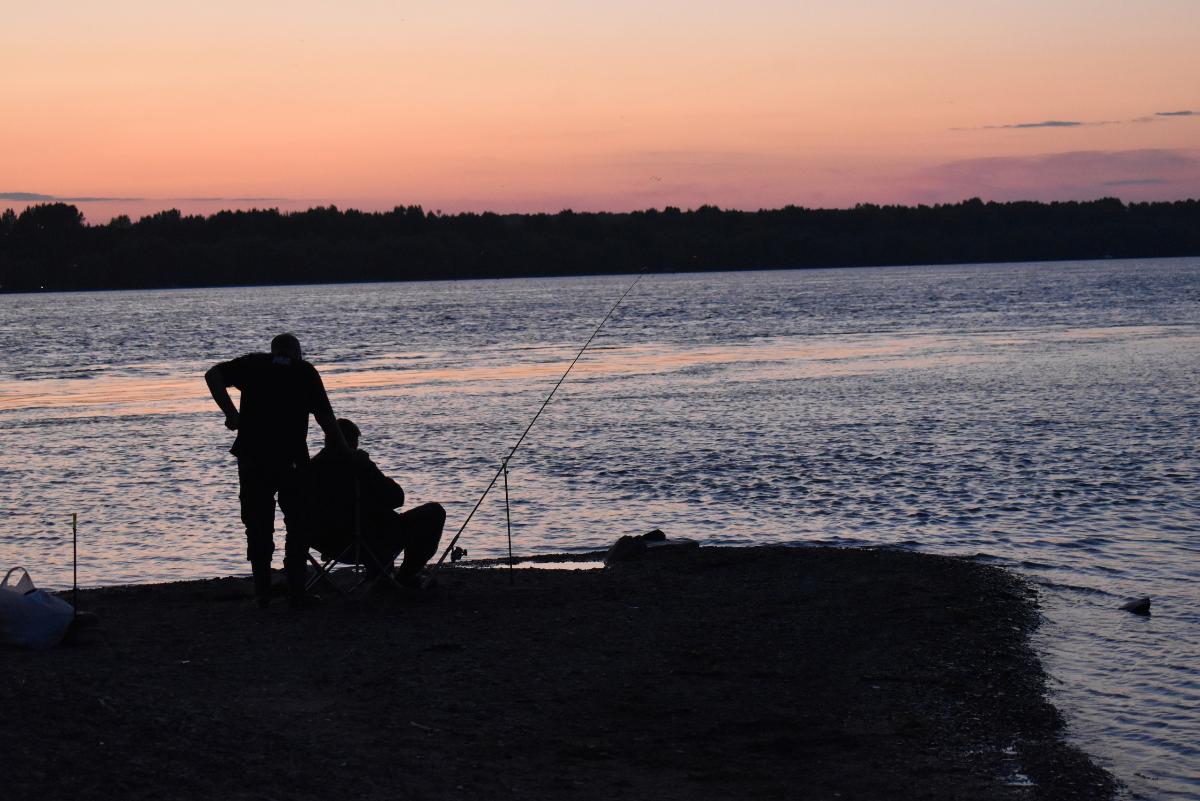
{"x":279,"y":391}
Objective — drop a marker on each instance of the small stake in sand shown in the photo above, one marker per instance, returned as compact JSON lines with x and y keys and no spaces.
{"x":75,"y":563}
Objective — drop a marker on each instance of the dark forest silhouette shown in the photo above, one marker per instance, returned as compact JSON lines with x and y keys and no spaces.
{"x":49,"y":246}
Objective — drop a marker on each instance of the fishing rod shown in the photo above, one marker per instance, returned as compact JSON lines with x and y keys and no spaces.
{"x":503,"y":470}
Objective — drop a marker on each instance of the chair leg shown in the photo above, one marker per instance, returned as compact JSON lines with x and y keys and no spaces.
{"x":383,"y":571}
{"x":356,"y":555}
{"x":324,"y":569}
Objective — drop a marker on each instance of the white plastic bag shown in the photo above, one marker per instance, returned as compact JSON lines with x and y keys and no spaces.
{"x":31,"y":617}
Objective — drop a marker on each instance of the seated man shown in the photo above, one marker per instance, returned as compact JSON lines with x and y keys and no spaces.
{"x":320,"y":510}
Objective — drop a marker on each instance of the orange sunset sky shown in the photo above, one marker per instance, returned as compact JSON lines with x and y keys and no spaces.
{"x":128,"y":107}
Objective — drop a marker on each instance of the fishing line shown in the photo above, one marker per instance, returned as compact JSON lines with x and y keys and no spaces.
{"x":504,"y":465}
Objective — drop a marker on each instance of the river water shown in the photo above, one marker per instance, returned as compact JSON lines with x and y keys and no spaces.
{"x":1043,"y":417}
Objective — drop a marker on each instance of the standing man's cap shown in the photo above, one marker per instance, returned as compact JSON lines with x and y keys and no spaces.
{"x":286,"y":345}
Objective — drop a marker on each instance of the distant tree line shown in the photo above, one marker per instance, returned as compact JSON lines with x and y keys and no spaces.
{"x":49,"y":246}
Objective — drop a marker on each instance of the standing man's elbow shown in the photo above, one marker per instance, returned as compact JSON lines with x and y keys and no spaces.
{"x":218,"y":387}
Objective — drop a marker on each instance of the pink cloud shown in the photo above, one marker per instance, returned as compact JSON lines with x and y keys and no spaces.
{"x":1132,"y":175}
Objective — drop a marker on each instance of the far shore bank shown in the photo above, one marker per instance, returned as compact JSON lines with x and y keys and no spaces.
{"x":49,"y":246}
{"x":762,"y":672}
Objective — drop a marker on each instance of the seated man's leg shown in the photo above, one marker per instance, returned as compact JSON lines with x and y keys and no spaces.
{"x":417,"y":533}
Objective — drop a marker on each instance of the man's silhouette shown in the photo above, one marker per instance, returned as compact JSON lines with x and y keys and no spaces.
{"x":279,"y":391}
{"x":335,"y":499}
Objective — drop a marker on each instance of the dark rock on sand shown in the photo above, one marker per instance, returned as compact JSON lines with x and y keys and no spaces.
{"x":629,"y":548}
{"x":624,"y":549}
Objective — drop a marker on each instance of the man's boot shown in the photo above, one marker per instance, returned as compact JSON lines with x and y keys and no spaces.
{"x":262,"y":581}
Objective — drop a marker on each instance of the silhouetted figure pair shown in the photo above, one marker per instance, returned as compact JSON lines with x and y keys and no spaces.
{"x":279,"y":390}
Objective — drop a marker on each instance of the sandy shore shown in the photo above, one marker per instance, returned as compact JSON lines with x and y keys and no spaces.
{"x":726,"y":673}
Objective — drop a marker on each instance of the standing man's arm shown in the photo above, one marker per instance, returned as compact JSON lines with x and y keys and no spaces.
{"x":335,"y":441}
{"x":322,"y":411}
{"x":218,"y":385}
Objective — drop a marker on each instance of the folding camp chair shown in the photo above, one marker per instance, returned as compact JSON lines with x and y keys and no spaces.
{"x":358,"y":556}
